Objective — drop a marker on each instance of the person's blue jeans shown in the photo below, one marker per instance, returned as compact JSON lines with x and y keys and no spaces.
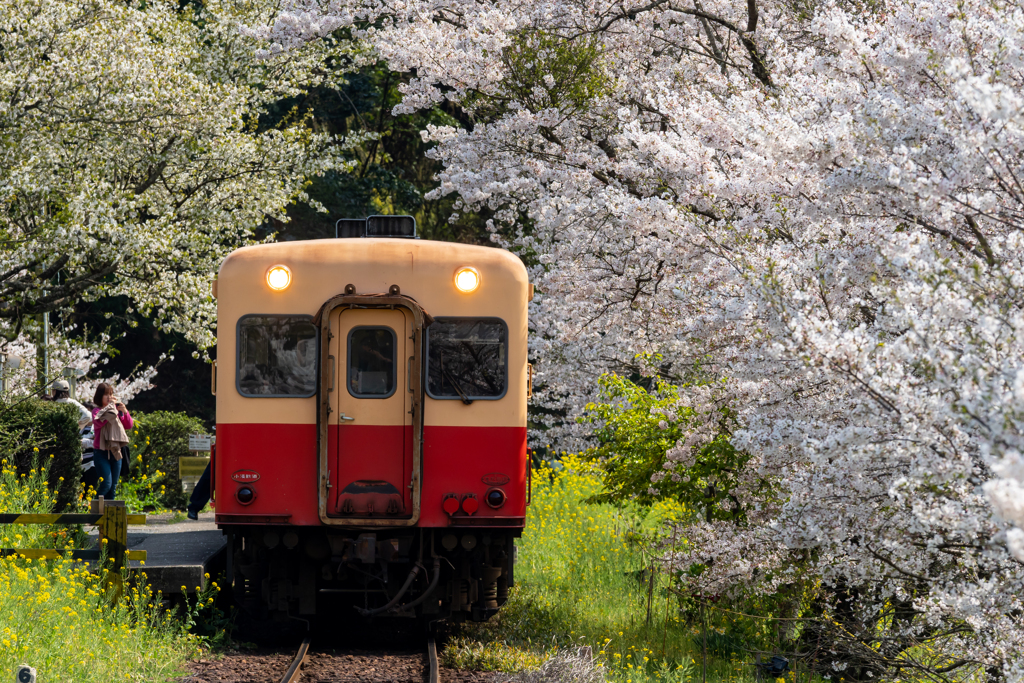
{"x":109,"y":470}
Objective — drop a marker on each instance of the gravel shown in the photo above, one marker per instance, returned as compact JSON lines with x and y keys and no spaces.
{"x":325,"y":666}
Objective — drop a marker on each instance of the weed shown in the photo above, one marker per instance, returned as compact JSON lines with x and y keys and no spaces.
{"x":466,"y":653}
{"x":176,"y":516}
{"x":564,"y":667}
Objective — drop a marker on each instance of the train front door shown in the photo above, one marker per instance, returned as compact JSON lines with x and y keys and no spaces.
{"x":370,"y":471}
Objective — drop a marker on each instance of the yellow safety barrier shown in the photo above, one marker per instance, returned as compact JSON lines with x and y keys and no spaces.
{"x":111,"y":519}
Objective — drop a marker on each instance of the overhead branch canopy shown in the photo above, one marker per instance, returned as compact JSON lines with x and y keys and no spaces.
{"x":131,"y":159}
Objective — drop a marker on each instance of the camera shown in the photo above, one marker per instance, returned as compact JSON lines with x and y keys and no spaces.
{"x":24,"y":674}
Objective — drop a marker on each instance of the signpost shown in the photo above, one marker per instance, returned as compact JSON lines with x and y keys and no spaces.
{"x":191,"y":468}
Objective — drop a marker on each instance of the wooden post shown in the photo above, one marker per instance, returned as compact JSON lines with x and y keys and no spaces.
{"x":113,"y":529}
{"x":650,"y":593}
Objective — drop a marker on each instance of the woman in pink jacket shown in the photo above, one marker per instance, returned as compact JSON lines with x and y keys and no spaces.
{"x":108,"y":464}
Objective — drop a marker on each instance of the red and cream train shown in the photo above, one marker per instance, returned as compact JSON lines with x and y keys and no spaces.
{"x":371,"y":423}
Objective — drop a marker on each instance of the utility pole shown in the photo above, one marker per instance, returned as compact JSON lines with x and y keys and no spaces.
{"x":43,"y":355}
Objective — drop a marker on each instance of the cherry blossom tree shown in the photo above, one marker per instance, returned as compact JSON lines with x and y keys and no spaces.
{"x":84,"y":358}
{"x":132,"y":159}
{"x":818,"y":206}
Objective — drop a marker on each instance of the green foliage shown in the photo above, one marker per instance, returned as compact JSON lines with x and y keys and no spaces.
{"x":393,"y":173}
{"x":31,"y":429}
{"x":583,"y":578}
{"x":549,"y":71}
{"x":157,"y":441}
{"x":210,"y":614}
{"x":720,"y":644}
{"x":635,"y":428}
{"x":141,"y":494}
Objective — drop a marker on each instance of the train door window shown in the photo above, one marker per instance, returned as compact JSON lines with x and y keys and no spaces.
{"x":371,"y":362}
{"x":276,"y":356}
{"x":467,"y":359}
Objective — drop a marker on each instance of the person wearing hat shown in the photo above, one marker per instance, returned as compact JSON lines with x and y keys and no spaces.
{"x":62,"y":394}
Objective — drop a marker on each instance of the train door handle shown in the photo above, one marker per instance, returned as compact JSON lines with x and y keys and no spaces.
{"x":345,"y":418}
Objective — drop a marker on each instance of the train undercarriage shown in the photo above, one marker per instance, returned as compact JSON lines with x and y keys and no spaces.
{"x":280,"y":574}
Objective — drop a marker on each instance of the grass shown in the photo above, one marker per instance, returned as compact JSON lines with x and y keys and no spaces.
{"x":583,"y":579}
{"x":56,"y":616}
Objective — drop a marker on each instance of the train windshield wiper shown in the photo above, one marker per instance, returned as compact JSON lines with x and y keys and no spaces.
{"x":455,"y":385}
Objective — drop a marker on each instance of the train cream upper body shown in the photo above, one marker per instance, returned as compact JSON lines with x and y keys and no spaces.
{"x":424,"y":270}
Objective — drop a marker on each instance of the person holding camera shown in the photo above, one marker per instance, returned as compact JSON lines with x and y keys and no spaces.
{"x":110,"y":421}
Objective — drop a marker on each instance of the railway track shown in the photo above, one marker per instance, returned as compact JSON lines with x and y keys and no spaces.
{"x":294,"y":672}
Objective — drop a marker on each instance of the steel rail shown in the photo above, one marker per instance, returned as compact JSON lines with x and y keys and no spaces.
{"x":434,"y":676}
{"x":292,"y":674}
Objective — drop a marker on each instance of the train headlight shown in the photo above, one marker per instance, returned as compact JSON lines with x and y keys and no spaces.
{"x":467,"y":279}
{"x":279,"y":277}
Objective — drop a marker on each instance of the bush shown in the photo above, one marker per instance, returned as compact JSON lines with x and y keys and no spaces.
{"x":31,"y":429}
{"x":157,"y":441}
{"x":637,"y":428}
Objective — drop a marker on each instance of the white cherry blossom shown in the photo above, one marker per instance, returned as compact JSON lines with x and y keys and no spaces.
{"x":817,"y":209}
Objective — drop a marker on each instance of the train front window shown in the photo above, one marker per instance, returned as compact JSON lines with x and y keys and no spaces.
{"x":371,"y":362}
{"x":467,"y":359}
{"x":276,"y":356}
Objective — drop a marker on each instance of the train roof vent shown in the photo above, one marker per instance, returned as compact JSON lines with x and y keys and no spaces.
{"x":350,"y":227}
{"x":376,"y":226}
{"x":391,"y":226}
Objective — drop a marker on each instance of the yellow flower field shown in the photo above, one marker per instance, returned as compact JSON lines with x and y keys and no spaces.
{"x":55,"y":616}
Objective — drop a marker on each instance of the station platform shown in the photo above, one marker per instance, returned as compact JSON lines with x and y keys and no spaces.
{"x":180,"y":552}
